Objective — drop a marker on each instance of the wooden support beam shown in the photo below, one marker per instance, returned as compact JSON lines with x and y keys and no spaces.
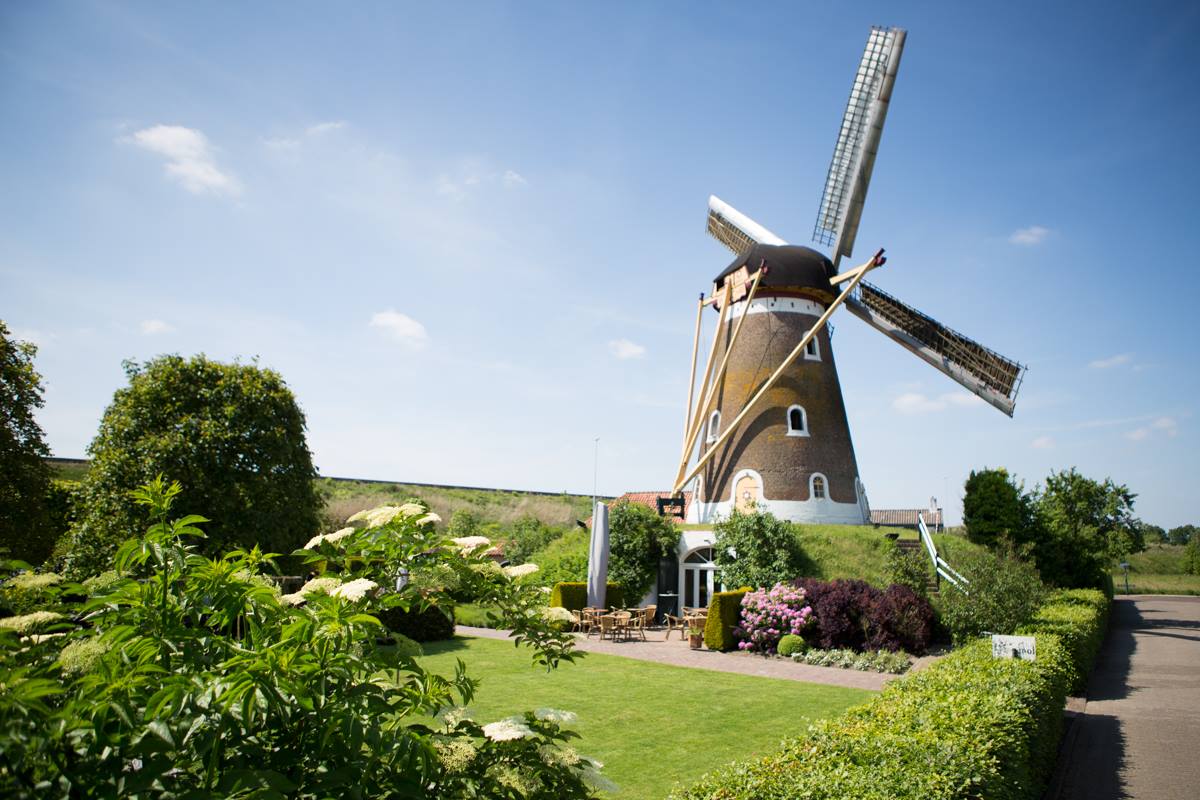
{"x":698,"y":422}
{"x":850,"y":274}
{"x":875,"y":261}
{"x":709,"y":365}
{"x":687,"y":417}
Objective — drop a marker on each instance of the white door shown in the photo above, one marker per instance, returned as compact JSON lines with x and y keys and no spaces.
{"x":699,"y":578}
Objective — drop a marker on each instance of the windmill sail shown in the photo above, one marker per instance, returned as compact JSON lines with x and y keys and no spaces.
{"x":734,"y":229}
{"x":858,"y":142}
{"x":981,"y":370}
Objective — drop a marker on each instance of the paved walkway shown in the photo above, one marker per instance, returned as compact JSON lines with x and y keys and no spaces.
{"x":1137,"y":735}
{"x":678,"y":653}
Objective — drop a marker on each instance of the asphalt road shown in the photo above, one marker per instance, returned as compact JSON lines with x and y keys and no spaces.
{"x":1139,"y":735}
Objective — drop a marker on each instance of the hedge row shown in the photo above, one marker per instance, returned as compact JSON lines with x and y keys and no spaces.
{"x":1080,"y":618}
{"x":969,"y":726}
{"x":724,"y":614}
{"x":573,"y":595}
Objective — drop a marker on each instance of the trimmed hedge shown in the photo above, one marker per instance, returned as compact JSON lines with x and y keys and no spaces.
{"x":1080,"y":618}
{"x":969,"y":726}
{"x":573,"y":595}
{"x":724,"y":614}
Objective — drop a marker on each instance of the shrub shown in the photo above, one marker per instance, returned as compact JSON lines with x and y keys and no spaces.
{"x":768,"y":615}
{"x":724,"y":614}
{"x":528,"y":535}
{"x":638,"y":538}
{"x":196,"y":680}
{"x":1080,"y":618}
{"x":563,"y":560}
{"x":1191,"y":556}
{"x":839,"y":610}
{"x":767,"y":550}
{"x":909,"y":568}
{"x":25,"y":527}
{"x":30,"y":591}
{"x":1004,"y":592}
{"x":232,"y":432}
{"x":791,"y":644}
{"x":899,"y":619}
{"x":573,"y":595}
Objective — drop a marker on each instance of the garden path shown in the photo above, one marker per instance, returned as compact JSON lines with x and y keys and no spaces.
{"x":677,"y":653}
{"x":1135,"y":736}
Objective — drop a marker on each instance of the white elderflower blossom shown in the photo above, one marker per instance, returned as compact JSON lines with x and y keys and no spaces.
{"x":557,"y":614}
{"x":319,"y":586}
{"x":355,"y":590}
{"x":293,"y":599}
{"x":28,"y":623}
{"x":428,"y":518}
{"x":455,"y":755}
{"x":338,"y":535}
{"x":554,"y":715}
{"x":33,"y":581}
{"x":412,"y":509}
{"x":558,"y":756}
{"x":469,"y":543}
{"x":450,"y":716}
{"x":507,"y":729}
{"x":521,"y":570}
{"x":312,"y":543}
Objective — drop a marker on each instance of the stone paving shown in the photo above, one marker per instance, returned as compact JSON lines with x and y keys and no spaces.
{"x":677,"y":652}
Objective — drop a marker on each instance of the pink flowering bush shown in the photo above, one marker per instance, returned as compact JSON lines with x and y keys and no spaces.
{"x":768,"y":615}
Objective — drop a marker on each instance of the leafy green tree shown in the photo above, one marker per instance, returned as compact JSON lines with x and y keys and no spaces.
{"x":1191,"y":556}
{"x":1089,"y":527}
{"x":757,"y":550}
{"x":232,"y":432}
{"x":1181,"y":534}
{"x":528,"y":536}
{"x":996,"y":509}
{"x":1154,"y":534}
{"x":637,"y":538}
{"x":1004,"y":592}
{"x":463,"y":522}
{"x":25,"y":528}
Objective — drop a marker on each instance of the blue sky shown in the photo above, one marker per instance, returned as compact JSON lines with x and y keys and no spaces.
{"x":470,"y":236}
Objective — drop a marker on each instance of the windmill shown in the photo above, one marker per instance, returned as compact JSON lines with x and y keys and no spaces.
{"x":769,"y":414}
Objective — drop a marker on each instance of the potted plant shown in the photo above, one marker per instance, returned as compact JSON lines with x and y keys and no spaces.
{"x":695,"y":636}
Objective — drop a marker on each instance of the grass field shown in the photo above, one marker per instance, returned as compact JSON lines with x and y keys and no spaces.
{"x":652,"y":725}
{"x":1159,"y":569}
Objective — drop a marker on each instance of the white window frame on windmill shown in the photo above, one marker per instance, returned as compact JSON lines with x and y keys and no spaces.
{"x":803,"y":429}
{"x":812,"y":487}
{"x":812,"y":350}
{"x":714,"y":425}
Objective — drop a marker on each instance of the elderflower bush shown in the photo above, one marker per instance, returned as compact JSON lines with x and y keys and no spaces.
{"x":186,"y":675}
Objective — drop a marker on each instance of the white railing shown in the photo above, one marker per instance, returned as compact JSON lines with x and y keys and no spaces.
{"x":940,"y":566}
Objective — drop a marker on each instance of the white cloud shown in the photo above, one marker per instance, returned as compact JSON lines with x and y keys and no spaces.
{"x":189,"y":158}
{"x":1112,"y":361}
{"x":917,"y":403}
{"x":1167,"y":426}
{"x":1034,"y":234}
{"x":325,"y":127}
{"x":625,"y":349}
{"x":282,"y":143}
{"x":401,"y":327}
{"x":1042,"y":443}
{"x":150,"y":327}
{"x":512,"y":178}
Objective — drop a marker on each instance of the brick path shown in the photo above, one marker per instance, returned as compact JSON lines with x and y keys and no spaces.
{"x":676,"y":652}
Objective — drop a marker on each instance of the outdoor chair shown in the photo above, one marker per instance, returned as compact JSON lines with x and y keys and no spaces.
{"x":673,"y":622}
{"x":608,"y":626}
{"x":648,"y":614}
{"x":591,"y":620}
{"x":621,"y":625}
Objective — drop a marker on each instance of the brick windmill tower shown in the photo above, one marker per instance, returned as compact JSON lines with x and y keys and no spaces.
{"x":770,"y":421}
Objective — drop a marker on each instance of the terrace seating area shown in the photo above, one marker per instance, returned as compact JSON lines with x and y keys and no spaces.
{"x":631,"y":624}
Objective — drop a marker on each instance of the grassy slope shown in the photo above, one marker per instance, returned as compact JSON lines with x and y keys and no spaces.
{"x":1160,"y":569}
{"x":650,"y":724}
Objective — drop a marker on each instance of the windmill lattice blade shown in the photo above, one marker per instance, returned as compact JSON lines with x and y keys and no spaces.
{"x":858,"y":141}
{"x":734,"y":229}
{"x":985,"y":372}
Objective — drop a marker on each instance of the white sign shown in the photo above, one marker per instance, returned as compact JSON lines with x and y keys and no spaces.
{"x":1021,"y":647}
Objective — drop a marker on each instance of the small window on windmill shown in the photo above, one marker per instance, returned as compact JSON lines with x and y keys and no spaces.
{"x":818,"y":487}
{"x":714,"y":426}
{"x":797,"y":421}
{"x":812,"y":350}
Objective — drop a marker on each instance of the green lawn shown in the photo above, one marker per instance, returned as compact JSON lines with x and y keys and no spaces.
{"x":651,"y":725}
{"x":1143,"y":583}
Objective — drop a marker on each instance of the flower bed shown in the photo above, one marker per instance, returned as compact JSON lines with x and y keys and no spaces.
{"x":870,"y":661}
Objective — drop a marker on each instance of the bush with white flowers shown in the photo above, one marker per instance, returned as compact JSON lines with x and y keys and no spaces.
{"x":193,"y":676}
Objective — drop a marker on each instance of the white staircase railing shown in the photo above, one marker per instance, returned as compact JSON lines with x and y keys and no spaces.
{"x":940,"y":566}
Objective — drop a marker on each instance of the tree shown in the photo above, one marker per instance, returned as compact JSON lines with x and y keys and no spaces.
{"x":1089,"y":526}
{"x":1181,"y":534}
{"x":528,"y":535}
{"x":25,"y":528}
{"x":757,"y":550}
{"x":1154,"y":533}
{"x":996,"y":508}
{"x":637,"y":538}
{"x":232,"y":432}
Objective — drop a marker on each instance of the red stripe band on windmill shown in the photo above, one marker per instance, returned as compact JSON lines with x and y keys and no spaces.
{"x":767,"y":426}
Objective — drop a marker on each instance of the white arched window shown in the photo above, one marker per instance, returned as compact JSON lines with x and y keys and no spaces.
{"x":714,"y":425}
{"x":818,"y":487}
{"x":797,"y":421}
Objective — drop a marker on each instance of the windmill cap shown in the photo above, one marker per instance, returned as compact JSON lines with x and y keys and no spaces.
{"x":789,"y":266}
